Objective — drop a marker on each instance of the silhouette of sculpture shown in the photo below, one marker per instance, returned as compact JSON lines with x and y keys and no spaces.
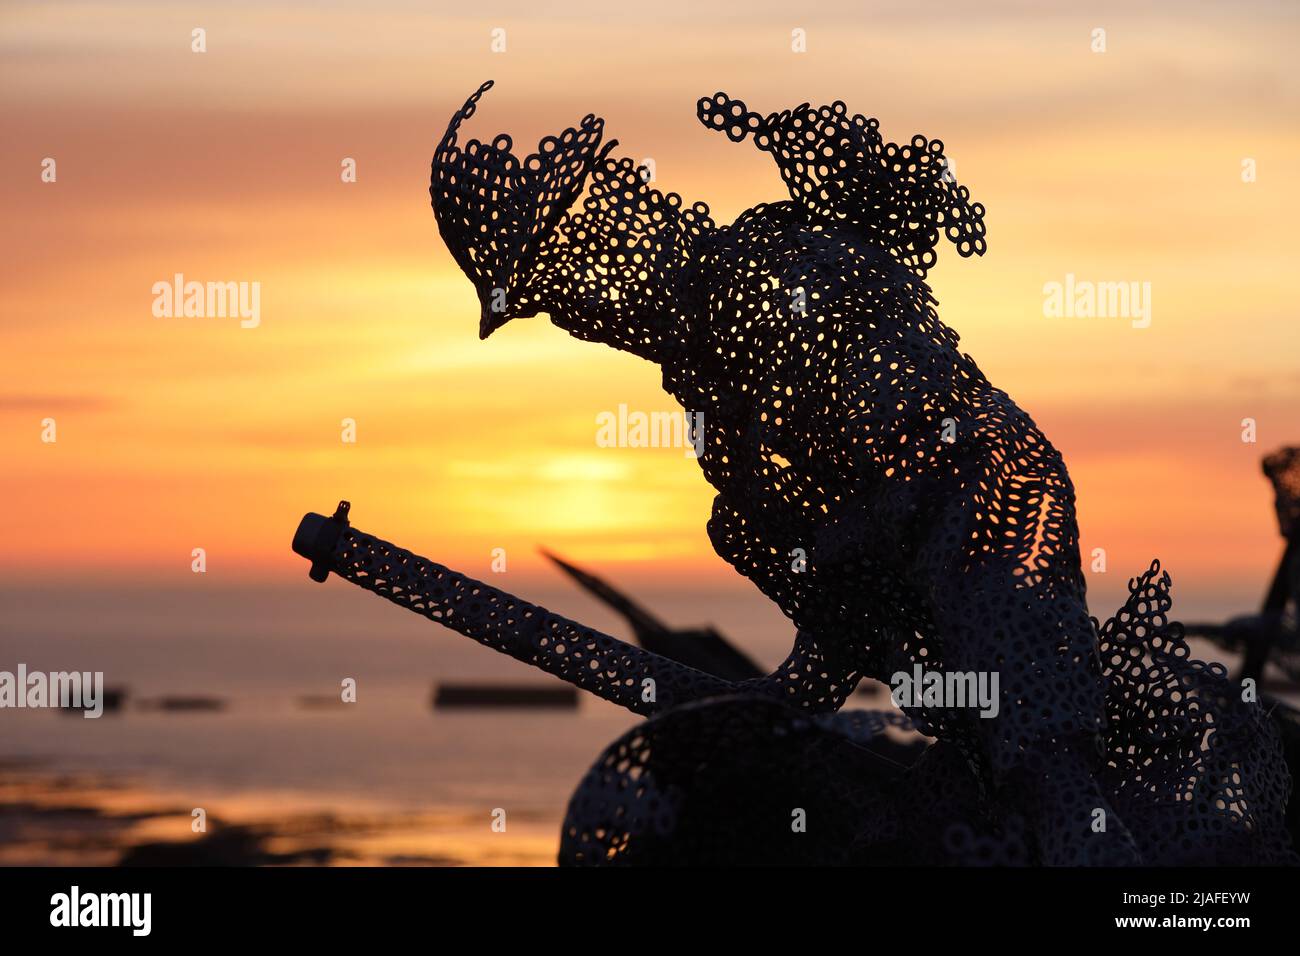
{"x":704,"y":648}
{"x":1282,"y":468}
{"x":1272,"y":634}
{"x":840,"y":421}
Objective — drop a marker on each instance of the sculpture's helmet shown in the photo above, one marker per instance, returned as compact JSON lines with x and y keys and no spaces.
{"x":840,"y":169}
{"x":495,"y":212}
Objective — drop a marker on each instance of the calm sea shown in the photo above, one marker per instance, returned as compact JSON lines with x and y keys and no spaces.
{"x":265,"y":756}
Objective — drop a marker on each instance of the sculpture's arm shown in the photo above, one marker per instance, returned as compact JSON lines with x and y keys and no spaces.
{"x":807,"y":680}
{"x":578,"y":655}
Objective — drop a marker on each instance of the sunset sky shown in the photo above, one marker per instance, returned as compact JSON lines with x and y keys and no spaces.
{"x":176,"y":433}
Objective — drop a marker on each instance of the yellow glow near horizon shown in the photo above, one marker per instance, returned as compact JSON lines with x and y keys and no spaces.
{"x":182,"y":433}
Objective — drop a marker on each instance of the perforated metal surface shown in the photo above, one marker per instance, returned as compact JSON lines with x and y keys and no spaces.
{"x":841,"y":420}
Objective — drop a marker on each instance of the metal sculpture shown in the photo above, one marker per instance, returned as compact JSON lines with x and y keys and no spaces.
{"x":1273,"y":634}
{"x":841,"y":422}
{"x":704,"y":648}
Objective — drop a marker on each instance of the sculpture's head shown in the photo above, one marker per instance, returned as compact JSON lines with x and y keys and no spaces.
{"x":619,"y":268}
{"x":608,"y":270}
{"x":495,"y":211}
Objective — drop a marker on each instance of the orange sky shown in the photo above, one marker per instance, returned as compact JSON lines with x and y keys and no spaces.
{"x":178,"y":433}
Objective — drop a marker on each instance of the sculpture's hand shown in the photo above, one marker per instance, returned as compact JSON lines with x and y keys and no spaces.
{"x":807,"y":680}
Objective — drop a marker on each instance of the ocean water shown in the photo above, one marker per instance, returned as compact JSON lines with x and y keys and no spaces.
{"x":417,"y":784}
{"x":265,"y":755}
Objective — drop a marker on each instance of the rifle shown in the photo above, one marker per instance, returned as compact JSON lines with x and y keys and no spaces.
{"x":584,"y":657}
